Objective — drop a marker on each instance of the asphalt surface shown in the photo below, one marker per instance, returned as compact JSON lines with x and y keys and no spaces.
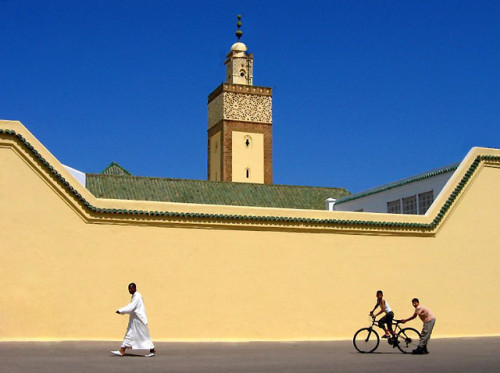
{"x":446,"y":355}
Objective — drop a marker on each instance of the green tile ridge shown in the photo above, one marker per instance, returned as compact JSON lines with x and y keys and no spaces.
{"x":266,"y":219}
{"x":115,"y":165}
{"x":399,"y":183}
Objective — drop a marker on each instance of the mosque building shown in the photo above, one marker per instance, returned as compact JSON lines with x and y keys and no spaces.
{"x":240,"y":142}
{"x":239,"y":152}
{"x":236,"y":257}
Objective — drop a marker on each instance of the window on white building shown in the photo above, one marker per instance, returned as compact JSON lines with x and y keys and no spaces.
{"x":410,"y":205}
{"x":418,"y":204}
{"x":394,"y":207}
{"x":425,"y":201}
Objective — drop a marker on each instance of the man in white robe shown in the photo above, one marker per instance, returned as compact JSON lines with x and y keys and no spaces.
{"x":137,"y":336}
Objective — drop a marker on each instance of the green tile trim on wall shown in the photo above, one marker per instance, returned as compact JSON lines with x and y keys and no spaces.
{"x":255,"y":218}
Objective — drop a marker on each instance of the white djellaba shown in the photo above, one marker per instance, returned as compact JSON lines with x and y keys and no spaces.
{"x":137,"y":336}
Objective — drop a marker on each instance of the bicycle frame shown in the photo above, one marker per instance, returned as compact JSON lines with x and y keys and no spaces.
{"x":395,"y":323}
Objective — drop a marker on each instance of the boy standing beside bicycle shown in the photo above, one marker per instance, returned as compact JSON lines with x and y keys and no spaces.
{"x":428,"y":319}
{"x":389,"y":315}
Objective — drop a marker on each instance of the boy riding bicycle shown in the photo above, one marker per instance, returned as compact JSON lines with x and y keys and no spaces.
{"x":389,"y":315}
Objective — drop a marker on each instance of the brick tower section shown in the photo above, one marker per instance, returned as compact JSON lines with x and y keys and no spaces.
{"x":243,"y":109}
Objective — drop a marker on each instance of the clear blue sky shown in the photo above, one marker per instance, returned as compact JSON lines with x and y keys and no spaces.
{"x":364,"y":92}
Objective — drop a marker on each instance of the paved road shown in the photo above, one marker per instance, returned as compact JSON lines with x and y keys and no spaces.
{"x":447,"y":355}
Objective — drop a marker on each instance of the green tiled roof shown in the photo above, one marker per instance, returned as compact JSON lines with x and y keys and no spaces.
{"x":210,"y":192}
{"x":115,"y":169}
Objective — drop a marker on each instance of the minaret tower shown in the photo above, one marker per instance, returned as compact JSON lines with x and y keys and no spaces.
{"x":240,"y":123}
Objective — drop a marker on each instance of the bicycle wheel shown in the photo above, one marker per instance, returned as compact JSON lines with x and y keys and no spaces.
{"x":408,"y":340}
{"x":366,"y":340}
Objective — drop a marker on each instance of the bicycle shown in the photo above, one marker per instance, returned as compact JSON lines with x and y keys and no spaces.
{"x":367,"y":340}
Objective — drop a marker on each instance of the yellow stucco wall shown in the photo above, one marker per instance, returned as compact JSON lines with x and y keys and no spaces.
{"x":249,"y":158}
{"x":64,"y":270}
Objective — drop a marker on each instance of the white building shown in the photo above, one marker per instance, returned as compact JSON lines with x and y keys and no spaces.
{"x":413,"y":195}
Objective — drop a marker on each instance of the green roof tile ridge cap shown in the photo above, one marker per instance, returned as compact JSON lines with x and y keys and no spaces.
{"x":114,"y":164}
{"x":399,"y":183}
